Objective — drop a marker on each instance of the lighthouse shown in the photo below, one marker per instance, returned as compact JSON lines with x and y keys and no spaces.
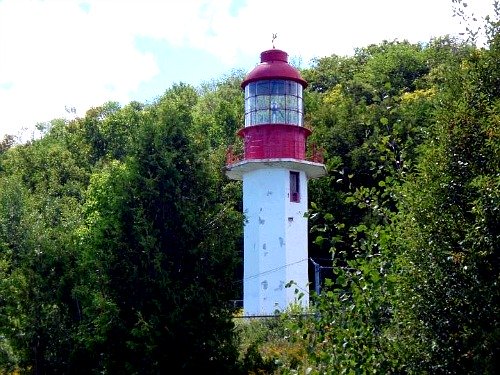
{"x":275,"y":171}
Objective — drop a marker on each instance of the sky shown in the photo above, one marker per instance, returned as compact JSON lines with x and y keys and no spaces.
{"x":59,"y":58}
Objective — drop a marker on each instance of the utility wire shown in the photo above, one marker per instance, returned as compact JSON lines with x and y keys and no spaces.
{"x":271,"y":270}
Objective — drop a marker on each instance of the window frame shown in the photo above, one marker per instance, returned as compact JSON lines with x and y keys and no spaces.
{"x":280,"y":100}
{"x":294,"y":186}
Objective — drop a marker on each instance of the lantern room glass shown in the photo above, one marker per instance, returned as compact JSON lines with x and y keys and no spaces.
{"x":273,"y":102}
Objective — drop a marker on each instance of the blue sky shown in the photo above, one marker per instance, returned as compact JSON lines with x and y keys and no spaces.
{"x":81,"y":53}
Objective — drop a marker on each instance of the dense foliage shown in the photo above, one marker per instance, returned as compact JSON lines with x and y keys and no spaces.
{"x":120,"y":236}
{"x":119,"y":239}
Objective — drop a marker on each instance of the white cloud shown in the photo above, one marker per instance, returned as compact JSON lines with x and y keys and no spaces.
{"x":55,"y":53}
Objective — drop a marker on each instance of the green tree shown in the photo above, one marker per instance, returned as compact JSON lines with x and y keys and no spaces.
{"x":159,"y":254}
{"x":39,"y":211}
{"x":218,"y":114}
{"x":370,"y":123}
{"x":449,"y":260}
{"x":373,"y":123}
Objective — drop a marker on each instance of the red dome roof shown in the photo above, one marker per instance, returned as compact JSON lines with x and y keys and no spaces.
{"x":274,"y":65}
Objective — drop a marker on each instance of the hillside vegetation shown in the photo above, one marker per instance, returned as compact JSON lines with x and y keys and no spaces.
{"x":121,"y":237}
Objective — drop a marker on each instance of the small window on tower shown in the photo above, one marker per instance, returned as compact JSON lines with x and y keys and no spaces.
{"x":294,"y":187}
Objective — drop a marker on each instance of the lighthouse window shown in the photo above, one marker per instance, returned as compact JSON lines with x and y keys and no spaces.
{"x":292,"y":117}
{"x":250,"y":105}
{"x":291,"y":87}
{"x":250,"y":90}
{"x":273,"y":102}
{"x":278,"y":87}
{"x":263,"y":102}
{"x":292,"y":102}
{"x":262,"y":116}
{"x":295,"y":187}
{"x":263,"y":88}
{"x":278,"y":109}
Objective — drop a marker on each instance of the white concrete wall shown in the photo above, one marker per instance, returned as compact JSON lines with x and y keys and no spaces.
{"x":275,"y":241}
{"x":297,"y":249}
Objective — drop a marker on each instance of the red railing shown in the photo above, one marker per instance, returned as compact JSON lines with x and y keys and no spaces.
{"x":316,"y":155}
{"x":231,"y":157}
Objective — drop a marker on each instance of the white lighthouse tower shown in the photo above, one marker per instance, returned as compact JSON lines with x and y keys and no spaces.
{"x":275,"y":172}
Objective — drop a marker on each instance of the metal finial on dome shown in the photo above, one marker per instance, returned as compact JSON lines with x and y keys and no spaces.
{"x":274,"y":38}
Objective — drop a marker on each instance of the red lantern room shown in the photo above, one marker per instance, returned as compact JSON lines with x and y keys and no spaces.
{"x":274,"y":114}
